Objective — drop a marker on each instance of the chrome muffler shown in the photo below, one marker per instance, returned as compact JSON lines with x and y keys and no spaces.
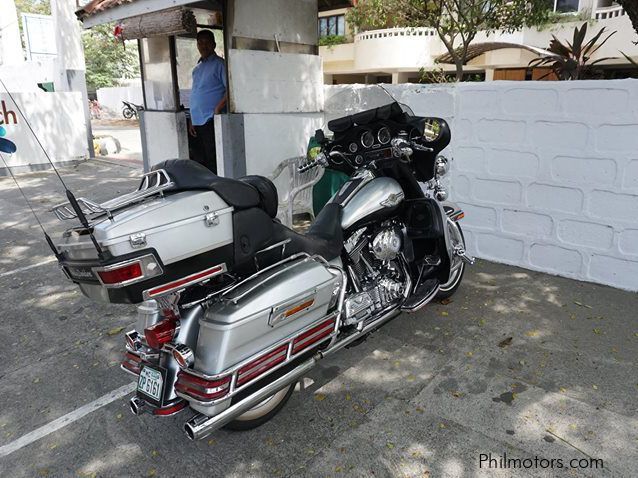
{"x":200,"y":426}
{"x":137,"y":405}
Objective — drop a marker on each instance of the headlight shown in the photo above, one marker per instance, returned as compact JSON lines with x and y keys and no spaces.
{"x":441,"y":166}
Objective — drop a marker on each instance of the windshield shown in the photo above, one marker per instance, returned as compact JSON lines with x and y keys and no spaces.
{"x":345,"y":100}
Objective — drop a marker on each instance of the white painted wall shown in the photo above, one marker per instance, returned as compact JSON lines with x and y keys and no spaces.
{"x":164,"y":135}
{"x":110,"y":99}
{"x":272,"y":138}
{"x":280,"y":18}
{"x":58,"y":121}
{"x":547,"y":172}
{"x":269,"y":82}
{"x":10,"y":45}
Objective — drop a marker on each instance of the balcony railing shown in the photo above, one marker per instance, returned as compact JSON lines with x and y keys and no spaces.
{"x":395,"y":32}
{"x":610,"y":12}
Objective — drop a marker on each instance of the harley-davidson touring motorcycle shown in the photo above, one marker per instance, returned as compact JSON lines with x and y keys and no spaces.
{"x":234,"y":307}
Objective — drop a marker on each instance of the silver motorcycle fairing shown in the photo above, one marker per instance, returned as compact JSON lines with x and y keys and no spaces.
{"x":375,"y":195}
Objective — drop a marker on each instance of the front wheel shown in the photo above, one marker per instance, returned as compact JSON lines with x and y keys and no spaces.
{"x":458,"y":266}
{"x":128,"y":113}
{"x":262,"y":412}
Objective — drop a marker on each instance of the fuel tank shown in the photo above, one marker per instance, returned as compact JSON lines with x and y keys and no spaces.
{"x":365,"y":199}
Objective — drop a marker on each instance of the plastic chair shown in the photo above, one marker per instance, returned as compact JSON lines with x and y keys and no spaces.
{"x":298,"y":196}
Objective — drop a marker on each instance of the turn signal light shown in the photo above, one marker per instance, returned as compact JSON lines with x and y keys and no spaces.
{"x":121,"y":274}
{"x":160,"y":333}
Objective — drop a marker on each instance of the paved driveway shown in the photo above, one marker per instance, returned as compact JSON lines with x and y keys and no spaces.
{"x":519,"y":365}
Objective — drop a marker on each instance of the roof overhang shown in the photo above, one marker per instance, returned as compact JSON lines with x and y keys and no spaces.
{"x":98,"y":12}
{"x":478,"y":49}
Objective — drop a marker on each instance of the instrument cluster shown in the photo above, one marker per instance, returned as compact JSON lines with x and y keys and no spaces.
{"x":366,"y":143}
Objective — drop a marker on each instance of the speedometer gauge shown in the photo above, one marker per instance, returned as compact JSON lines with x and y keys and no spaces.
{"x":384,"y":135}
{"x":353,"y":147}
{"x":367,"y":139}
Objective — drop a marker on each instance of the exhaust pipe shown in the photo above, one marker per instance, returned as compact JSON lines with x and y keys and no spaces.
{"x":200,"y":426}
{"x":137,"y":405}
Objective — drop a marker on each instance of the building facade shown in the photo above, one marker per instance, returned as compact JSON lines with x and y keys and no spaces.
{"x":400,"y":55}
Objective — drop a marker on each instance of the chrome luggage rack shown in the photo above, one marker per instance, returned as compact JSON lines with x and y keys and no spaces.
{"x":155,"y":182}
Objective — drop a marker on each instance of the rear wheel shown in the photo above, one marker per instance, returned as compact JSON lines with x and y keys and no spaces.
{"x":128,"y":113}
{"x":261,"y":413}
{"x":458,"y":266}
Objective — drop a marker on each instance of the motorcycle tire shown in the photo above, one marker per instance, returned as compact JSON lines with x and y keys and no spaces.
{"x":128,"y":113}
{"x":263,"y":412}
{"x":448,"y":289}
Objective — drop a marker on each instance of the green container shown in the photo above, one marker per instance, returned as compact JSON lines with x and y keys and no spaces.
{"x":328,"y":185}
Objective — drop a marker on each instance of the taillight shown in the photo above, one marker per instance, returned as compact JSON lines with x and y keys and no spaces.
{"x":161,"y":333}
{"x":132,"y":363}
{"x":121,"y":274}
{"x":201,"y":388}
{"x":129,"y":272}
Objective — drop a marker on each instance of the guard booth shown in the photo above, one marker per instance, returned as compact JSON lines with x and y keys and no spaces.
{"x":275,"y":80}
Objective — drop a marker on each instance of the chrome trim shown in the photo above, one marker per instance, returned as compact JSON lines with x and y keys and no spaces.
{"x":137,"y":406}
{"x":379,"y":135}
{"x":283,"y":353}
{"x":201,"y":425}
{"x":152,"y":183}
{"x":148,"y":293}
{"x":278,"y":313}
{"x":266,"y":269}
{"x":120,"y":265}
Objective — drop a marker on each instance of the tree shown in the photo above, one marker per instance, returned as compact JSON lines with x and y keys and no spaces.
{"x":570,"y":61}
{"x":457,"y":22}
{"x":107,"y":59}
{"x":378,"y":14}
{"x":631,"y":7}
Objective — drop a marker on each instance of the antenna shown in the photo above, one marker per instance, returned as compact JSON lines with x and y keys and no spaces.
{"x":70,"y":196}
{"x":58,"y":256}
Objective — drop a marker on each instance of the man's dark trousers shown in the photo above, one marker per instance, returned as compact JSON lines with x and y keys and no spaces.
{"x":205,"y":145}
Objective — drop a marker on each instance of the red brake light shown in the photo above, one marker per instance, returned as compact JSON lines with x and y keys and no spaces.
{"x":161,"y":333}
{"x":121,"y":274}
{"x":201,"y":388}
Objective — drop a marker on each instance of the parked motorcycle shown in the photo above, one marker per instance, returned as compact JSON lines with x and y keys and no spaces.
{"x":130,"y":110}
{"x":234,"y":307}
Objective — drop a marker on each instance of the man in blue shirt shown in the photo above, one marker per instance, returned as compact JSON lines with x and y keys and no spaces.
{"x":208,"y":98}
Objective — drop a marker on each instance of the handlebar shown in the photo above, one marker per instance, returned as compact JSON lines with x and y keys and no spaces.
{"x":401,"y":147}
{"x":320,"y":160}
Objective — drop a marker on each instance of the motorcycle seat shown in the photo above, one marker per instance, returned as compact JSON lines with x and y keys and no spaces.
{"x":324,"y":238}
{"x":243,"y":193}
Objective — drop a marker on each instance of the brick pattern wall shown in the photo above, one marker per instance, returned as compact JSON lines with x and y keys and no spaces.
{"x":547,"y":172}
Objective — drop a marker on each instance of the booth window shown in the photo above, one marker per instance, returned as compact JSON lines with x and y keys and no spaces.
{"x":158,"y":77}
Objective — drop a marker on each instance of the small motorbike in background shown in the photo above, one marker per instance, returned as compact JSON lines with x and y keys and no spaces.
{"x":233,"y":306}
{"x":130,"y":110}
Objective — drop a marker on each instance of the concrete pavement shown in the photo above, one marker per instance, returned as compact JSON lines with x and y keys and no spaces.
{"x":519,"y":365}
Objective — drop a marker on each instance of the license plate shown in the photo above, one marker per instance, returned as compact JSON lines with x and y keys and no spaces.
{"x":151,"y":383}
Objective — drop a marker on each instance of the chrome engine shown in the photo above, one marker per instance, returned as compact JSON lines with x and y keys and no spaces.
{"x":379,"y":280}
